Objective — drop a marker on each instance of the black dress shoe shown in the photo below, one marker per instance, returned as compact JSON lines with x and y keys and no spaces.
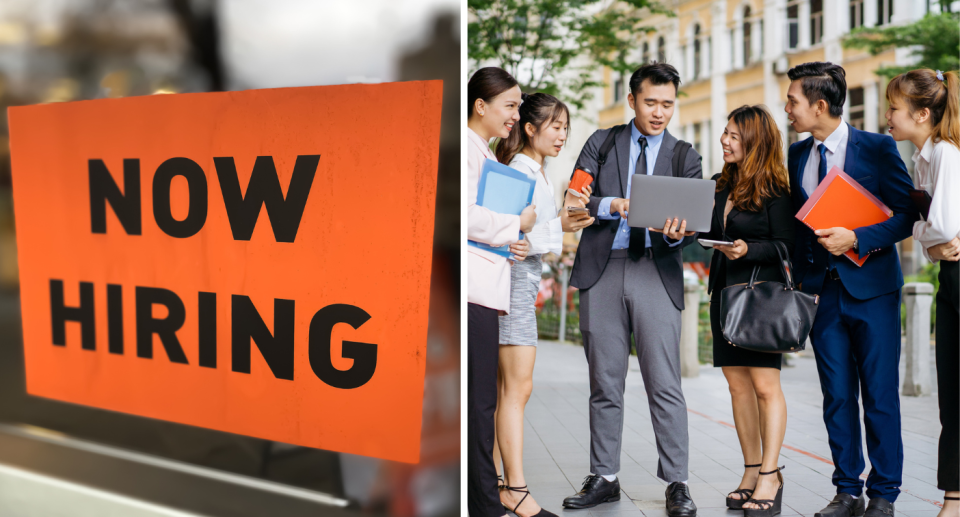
{"x":879,"y":507}
{"x":843,"y":505}
{"x":595,"y":490}
{"x":679,"y":503}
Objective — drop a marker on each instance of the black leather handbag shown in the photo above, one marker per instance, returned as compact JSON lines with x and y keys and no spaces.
{"x":768,"y":316}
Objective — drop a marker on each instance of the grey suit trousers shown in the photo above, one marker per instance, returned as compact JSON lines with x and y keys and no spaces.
{"x":630,"y":297}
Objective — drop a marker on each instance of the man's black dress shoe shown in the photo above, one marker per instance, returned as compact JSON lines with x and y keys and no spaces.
{"x":679,"y":503}
{"x":843,"y":505}
{"x":879,"y":507}
{"x":595,"y":490}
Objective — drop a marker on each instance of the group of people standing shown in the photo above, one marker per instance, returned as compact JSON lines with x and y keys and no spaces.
{"x":631,"y":283}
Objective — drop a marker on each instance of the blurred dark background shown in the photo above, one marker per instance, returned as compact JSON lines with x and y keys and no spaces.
{"x":65,"y":50}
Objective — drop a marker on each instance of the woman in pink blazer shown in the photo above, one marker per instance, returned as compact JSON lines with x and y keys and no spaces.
{"x":493,"y":109}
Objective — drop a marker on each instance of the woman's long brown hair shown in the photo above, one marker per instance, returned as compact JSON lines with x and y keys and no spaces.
{"x":761,"y":174}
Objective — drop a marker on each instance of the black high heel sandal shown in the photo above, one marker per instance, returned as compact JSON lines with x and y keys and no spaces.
{"x":745,"y":494}
{"x":945,"y":498}
{"x":768,"y":508}
{"x":500,"y":482}
{"x":525,"y":492}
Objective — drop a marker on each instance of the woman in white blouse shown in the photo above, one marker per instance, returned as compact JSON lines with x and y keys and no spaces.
{"x":540,"y":132}
{"x":925,"y":109}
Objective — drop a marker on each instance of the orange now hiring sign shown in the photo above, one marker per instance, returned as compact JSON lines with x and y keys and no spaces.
{"x":254,"y":262}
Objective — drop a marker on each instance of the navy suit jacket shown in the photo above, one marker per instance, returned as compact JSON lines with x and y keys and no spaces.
{"x":873,"y":160}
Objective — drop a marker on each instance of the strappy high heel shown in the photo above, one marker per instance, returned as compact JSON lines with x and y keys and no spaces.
{"x":525,"y":492}
{"x":745,"y":493}
{"x":768,"y":507}
{"x":500,"y":482}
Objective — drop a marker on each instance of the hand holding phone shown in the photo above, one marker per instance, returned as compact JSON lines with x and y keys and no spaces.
{"x":707,"y":243}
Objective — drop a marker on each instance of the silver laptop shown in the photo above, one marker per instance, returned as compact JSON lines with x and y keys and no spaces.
{"x":653,"y":199}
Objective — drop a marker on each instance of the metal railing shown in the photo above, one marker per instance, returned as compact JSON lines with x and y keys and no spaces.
{"x":558,"y":318}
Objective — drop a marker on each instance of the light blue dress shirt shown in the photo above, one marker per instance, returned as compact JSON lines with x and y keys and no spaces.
{"x":622,"y":240}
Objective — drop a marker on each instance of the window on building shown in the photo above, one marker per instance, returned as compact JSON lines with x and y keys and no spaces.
{"x":733,"y":45}
{"x":708,"y":55}
{"x":661,"y":50}
{"x":856,"y":108}
{"x":856,"y":14}
{"x":645,"y":55}
{"x":696,"y":51}
{"x":618,"y":88}
{"x":816,"y":21}
{"x":793,"y":24}
{"x":697,"y":127}
{"x":746,"y":36}
{"x":760,"y":41}
{"x":884,"y":12}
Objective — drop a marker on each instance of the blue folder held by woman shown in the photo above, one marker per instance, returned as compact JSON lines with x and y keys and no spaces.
{"x":504,"y":190}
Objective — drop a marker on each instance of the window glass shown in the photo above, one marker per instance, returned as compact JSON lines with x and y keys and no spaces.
{"x":793,"y":25}
{"x":696,"y":51}
{"x":816,"y":21}
{"x":856,"y":14}
{"x":856,"y":108}
{"x":747,"y":58}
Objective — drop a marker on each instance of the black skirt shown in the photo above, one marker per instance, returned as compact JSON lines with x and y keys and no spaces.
{"x":725,"y":354}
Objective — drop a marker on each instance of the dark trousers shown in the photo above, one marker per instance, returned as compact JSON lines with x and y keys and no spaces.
{"x":857,"y":347}
{"x":948,"y":381}
{"x":483,"y":351}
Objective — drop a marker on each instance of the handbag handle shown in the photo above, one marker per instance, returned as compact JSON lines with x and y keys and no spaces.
{"x":786,"y":267}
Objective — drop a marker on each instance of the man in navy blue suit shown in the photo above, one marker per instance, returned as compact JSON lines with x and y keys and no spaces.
{"x":856,"y":335}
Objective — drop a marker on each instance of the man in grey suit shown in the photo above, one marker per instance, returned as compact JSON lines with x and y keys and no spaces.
{"x":631,"y":281}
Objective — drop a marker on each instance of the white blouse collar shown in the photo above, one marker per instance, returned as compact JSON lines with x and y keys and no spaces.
{"x":527,"y":161}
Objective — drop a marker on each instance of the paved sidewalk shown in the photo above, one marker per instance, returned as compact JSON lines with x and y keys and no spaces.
{"x":557,"y":442}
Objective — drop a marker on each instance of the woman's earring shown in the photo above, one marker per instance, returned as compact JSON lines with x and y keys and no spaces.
{"x":481,"y":113}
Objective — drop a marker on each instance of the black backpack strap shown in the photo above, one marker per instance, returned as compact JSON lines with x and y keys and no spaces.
{"x":680,"y":157}
{"x":608,"y":144}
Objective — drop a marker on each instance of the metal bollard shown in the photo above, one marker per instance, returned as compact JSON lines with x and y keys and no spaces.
{"x":563,"y":303}
{"x":689,"y":322}
{"x":916,"y":380}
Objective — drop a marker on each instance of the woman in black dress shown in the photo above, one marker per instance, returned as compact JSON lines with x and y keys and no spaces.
{"x":752,"y":209}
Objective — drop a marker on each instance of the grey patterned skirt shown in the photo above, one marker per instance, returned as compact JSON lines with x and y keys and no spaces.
{"x":519,"y":327}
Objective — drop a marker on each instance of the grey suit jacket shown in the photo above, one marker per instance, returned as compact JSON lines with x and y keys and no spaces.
{"x":611,"y":181}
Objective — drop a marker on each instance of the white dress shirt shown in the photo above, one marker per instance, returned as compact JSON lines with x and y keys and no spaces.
{"x":938,"y":172}
{"x":547,"y":233}
{"x":836,"y":145}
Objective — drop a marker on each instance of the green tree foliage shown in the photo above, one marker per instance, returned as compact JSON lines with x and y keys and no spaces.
{"x":935,"y":39}
{"x":556,"y":46}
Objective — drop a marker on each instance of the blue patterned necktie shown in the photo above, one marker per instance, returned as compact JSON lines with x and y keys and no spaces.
{"x":822,"y":172}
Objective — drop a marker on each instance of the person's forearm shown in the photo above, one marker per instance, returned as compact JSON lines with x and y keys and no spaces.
{"x":603,"y":209}
{"x":489,"y":227}
{"x":943,"y":221}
